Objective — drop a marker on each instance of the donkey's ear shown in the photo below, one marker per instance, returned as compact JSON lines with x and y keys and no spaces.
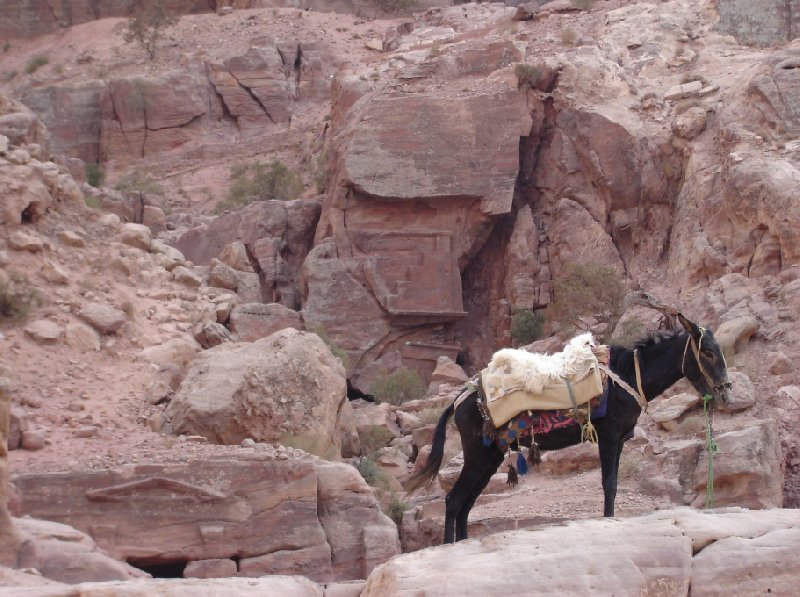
{"x":690,"y":327}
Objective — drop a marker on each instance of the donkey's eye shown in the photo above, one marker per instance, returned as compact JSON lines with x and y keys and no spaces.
{"x":709,"y":355}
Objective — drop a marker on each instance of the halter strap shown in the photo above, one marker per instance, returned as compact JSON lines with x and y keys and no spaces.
{"x":696,"y":351}
{"x":638,"y":375}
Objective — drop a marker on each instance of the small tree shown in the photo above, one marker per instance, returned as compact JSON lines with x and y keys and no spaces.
{"x":586,"y":296}
{"x":95,"y":176}
{"x":526,"y":326}
{"x":147,"y":25}
{"x":399,"y":387}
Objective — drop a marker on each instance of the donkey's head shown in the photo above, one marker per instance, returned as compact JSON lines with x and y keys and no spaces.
{"x":703,"y":363}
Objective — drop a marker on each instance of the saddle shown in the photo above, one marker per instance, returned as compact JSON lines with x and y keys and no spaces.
{"x":516,"y":381}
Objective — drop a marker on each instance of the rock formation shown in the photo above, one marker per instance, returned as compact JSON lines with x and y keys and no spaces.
{"x":287,"y":387}
{"x":715,"y":553}
{"x":265,"y":511}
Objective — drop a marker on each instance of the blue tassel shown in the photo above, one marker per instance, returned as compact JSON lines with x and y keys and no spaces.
{"x":486,"y":442}
{"x":522,"y":466}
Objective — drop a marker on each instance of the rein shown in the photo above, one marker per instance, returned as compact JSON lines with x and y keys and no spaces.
{"x":711,"y":449}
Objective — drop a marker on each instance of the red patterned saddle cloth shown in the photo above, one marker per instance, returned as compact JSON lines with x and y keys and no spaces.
{"x":533,"y":422}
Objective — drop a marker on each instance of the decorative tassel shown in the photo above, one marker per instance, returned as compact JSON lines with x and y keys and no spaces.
{"x":522,"y":466}
{"x":487,"y":441}
{"x":589,"y":433}
{"x":534,"y":455}
{"x":513,"y":478}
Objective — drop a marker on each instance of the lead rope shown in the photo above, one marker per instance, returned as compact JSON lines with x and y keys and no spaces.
{"x":711,"y":448}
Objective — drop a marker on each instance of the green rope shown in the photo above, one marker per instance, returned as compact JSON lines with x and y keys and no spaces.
{"x":711,"y":448}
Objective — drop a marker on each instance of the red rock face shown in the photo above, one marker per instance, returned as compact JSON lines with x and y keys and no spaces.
{"x":418,"y":180}
{"x":142,"y":117}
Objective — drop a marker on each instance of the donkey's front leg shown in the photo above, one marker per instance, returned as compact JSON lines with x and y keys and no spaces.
{"x":610,"y":451}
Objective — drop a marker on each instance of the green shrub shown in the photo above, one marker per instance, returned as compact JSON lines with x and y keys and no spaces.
{"x":399,"y":387}
{"x":17,"y":297}
{"x":147,"y":24}
{"x":261,"y":182}
{"x":527,"y":74}
{"x":95,"y":175}
{"x":372,"y":473}
{"x":526,"y":326}
{"x":396,"y":508}
{"x":586,"y":293}
{"x":373,"y":438}
{"x":36,"y":63}
{"x":396,"y":6}
{"x":92,"y":202}
{"x":141,"y":183}
{"x":583,"y":4}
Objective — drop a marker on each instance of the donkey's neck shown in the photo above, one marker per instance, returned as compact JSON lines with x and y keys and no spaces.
{"x":660,"y":365}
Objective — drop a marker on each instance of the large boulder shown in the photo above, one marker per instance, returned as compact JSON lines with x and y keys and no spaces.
{"x":251,"y":321}
{"x":274,"y":511}
{"x":287,"y":387}
{"x":747,"y":469}
{"x":62,"y":553}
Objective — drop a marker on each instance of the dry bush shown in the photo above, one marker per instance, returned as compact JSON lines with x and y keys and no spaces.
{"x":630,"y":463}
{"x":586,"y":295}
{"x":429,"y":416}
{"x":261,"y":182}
{"x":147,"y":25}
{"x":373,"y":438}
{"x":17,"y":297}
{"x":527,"y":74}
{"x":569,"y":36}
{"x":628,"y":333}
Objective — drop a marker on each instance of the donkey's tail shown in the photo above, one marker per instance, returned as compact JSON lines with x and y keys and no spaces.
{"x":426,"y":474}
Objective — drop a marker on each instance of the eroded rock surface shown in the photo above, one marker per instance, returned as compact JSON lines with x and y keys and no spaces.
{"x":275,"y":512}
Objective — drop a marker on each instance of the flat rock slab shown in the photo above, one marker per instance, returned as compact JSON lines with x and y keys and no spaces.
{"x":285,"y":586}
{"x":732,"y":552}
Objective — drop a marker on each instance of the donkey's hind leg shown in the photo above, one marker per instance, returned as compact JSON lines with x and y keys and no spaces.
{"x":490,"y":461}
{"x":458,"y":497}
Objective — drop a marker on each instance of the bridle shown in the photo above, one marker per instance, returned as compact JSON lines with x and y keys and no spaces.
{"x":696,"y":351}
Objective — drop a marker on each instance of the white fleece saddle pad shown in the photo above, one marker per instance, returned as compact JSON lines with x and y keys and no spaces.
{"x":517,"y":380}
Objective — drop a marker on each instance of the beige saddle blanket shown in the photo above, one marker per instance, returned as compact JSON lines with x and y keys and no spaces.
{"x":516,"y":380}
